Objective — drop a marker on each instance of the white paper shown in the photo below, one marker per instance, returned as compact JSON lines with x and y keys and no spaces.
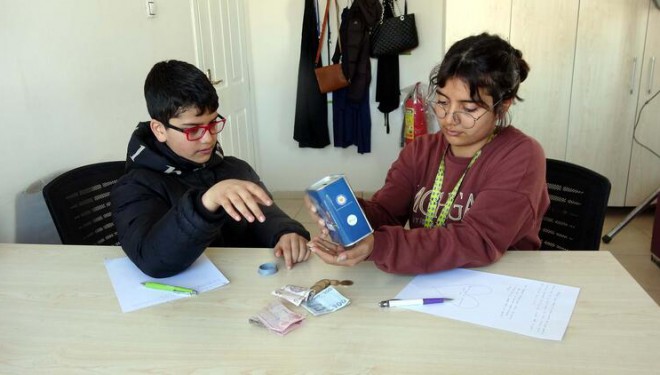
{"x":127,"y":281}
{"x":533,"y":308}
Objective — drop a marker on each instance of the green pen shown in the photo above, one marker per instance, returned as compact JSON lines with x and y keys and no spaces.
{"x":169,"y":288}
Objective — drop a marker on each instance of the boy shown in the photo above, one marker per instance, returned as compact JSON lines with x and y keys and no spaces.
{"x":180,"y":194}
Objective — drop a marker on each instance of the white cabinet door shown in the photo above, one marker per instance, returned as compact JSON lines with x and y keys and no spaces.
{"x":608,"y":59}
{"x":469,"y":17}
{"x":644,"y":177}
{"x":220,"y":38}
{"x":545,"y":33}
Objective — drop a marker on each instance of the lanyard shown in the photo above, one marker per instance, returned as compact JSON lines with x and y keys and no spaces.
{"x":437,"y":187}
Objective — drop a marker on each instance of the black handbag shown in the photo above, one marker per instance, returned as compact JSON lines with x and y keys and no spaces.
{"x":394,"y":35}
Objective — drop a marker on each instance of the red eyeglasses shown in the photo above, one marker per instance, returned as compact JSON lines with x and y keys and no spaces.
{"x":197,"y":132}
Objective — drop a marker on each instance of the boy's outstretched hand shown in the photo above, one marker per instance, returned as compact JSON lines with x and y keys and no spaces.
{"x":240,"y":199}
{"x":293,"y":247}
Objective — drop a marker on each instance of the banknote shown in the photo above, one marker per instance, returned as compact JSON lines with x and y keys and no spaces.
{"x":277,"y":318}
{"x":327,"y":301}
{"x":292,"y":293}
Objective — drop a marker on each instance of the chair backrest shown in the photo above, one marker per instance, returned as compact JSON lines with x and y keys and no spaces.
{"x":578,"y":203}
{"x":79,"y":203}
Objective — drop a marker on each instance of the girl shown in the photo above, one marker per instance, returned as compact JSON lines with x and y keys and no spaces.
{"x":469,"y":192}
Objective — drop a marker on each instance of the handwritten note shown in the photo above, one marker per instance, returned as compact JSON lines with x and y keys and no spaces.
{"x":127,"y":280}
{"x":533,"y":308}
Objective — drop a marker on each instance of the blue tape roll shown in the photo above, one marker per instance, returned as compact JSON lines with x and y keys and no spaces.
{"x":267,"y":269}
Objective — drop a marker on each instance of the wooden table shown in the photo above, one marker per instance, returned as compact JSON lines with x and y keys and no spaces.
{"x":59,"y":314}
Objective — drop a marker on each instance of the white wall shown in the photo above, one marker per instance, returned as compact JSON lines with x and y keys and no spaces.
{"x":71,"y":83}
{"x":275,"y":28}
{"x":72,"y":76}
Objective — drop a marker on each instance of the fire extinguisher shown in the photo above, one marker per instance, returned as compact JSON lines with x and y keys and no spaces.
{"x":414,"y":115}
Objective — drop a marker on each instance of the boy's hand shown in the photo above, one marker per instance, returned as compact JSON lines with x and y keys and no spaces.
{"x":336,"y":254}
{"x":293,"y":247}
{"x":315,"y":216}
{"x":239,"y":199}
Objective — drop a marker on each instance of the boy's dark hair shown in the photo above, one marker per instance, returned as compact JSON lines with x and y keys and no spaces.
{"x":173,"y":87}
{"x":483,"y":61}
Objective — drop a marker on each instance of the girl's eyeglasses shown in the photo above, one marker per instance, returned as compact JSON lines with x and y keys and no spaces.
{"x":465,"y":119}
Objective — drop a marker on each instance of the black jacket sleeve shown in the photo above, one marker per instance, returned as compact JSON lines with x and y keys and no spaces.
{"x":163,"y":234}
{"x":163,"y":226}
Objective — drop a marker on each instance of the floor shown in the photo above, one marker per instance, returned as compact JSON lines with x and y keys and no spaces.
{"x":631,"y":245}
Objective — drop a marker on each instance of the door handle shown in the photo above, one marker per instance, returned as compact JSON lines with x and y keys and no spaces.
{"x":210,"y":77}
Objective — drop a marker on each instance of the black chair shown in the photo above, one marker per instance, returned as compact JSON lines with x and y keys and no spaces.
{"x":578,"y":203}
{"x":79,"y":203}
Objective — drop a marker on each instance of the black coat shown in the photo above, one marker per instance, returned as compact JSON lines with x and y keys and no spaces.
{"x":354,"y":35}
{"x":387,"y":78}
{"x":157,"y":210}
{"x":310,"y":128}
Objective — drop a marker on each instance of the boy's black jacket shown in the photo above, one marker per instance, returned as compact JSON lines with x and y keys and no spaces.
{"x":163,"y":226}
